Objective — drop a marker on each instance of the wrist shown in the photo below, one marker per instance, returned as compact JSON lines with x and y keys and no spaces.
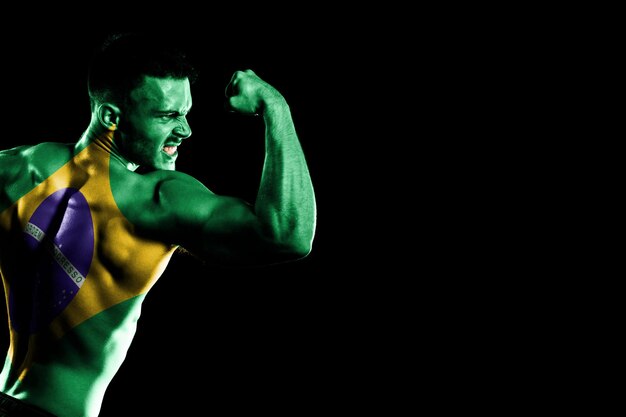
{"x":273,"y":105}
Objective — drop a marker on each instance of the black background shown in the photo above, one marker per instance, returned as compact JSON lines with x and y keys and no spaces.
{"x":406,"y":118}
{"x":289,"y":338}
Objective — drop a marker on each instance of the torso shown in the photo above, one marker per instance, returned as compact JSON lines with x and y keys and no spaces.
{"x":75,"y":272}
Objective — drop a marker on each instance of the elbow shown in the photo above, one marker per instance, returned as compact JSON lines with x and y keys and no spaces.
{"x":292,"y":243}
{"x":300,"y":250}
{"x":296,"y":247}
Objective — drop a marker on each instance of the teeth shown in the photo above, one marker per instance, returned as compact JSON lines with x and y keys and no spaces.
{"x":170,"y":150}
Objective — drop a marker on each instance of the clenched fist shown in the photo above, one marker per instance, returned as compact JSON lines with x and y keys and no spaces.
{"x":246,"y":93}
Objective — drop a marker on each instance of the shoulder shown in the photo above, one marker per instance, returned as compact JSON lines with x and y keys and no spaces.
{"x":160,"y":196}
{"x":24,"y":156}
{"x":173,"y":179}
{"x":12,"y":161}
{"x":44,"y":156}
{"x":174,"y":190}
{"x":23,"y":167}
{"x":44,"y":150}
{"x":157,"y":185}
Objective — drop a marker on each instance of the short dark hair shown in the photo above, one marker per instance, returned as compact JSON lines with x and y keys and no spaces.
{"x":122,"y":61}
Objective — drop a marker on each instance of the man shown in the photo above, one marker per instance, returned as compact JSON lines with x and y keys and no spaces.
{"x":84,"y":235}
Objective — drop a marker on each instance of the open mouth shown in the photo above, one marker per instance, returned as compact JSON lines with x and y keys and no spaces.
{"x":170,"y":150}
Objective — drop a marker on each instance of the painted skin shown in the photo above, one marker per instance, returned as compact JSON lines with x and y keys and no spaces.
{"x":62,"y":357}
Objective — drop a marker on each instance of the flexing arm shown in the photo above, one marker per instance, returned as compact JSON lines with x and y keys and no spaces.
{"x":280,"y":225}
{"x":285,"y":203}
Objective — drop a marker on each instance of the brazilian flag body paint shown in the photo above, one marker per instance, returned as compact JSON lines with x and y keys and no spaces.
{"x":75,"y":274}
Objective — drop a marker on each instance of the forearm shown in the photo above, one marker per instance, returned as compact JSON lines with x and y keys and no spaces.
{"x":286,"y":201}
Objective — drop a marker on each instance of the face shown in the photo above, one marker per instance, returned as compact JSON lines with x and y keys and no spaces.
{"x":154,"y":125}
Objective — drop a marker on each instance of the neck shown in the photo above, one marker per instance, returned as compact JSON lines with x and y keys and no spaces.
{"x":104,"y":140}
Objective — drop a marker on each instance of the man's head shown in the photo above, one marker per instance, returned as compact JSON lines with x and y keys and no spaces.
{"x":118,"y":67}
{"x":141,"y":84}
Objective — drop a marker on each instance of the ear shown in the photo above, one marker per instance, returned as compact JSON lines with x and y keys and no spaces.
{"x":109,"y":115}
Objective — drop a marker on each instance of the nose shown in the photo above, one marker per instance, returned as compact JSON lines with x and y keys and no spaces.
{"x":182,"y":130}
